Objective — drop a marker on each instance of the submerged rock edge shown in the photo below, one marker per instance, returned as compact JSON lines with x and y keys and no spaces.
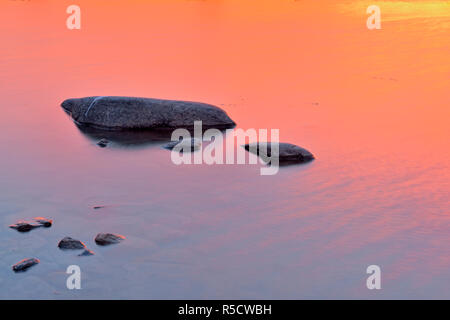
{"x":135,"y":113}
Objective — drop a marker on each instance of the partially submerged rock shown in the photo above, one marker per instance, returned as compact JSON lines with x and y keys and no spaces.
{"x":25,"y":226}
{"x":69,"y":243}
{"x":192,"y":144}
{"x":104,"y":239}
{"x":86,"y":252}
{"x":103,"y":143}
{"x":46,"y":223}
{"x":288,"y":153}
{"x":124,"y":113}
{"x":23,"y":265}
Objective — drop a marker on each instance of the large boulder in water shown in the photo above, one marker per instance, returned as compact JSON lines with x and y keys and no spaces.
{"x":123,"y":113}
{"x":288,"y":153}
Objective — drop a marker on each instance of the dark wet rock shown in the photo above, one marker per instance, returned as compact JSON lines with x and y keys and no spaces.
{"x":124,"y":113}
{"x":104,"y":239}
{"x":71,"y":244}
{"x":192,"y":144}
{"x":23,"y":265}
{"x":288,"y":153}
{"x":25,"y":226}
{"x":86,"y":252}
{"x":102,"y":143}
{"x":98,"y":207}
{"x":46,"y":223}
{"x":135,"y":139}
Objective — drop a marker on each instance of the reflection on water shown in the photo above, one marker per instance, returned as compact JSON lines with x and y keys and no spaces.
{"x":372,"y":106}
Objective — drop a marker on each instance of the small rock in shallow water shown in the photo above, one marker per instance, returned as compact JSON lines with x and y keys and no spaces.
{"x":98,"y":207}
{"x":287,"y":152}
{"x":24,"y":264}
{"x":102,"y":143}
{"x":122,"y":113}
{"x":24,"y":226}
{"x":192,"y":144}
{"x":86,"y":252}
{"x":47,"y":223}
{"x":104,"y":239}
{"x":71,"y":244}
